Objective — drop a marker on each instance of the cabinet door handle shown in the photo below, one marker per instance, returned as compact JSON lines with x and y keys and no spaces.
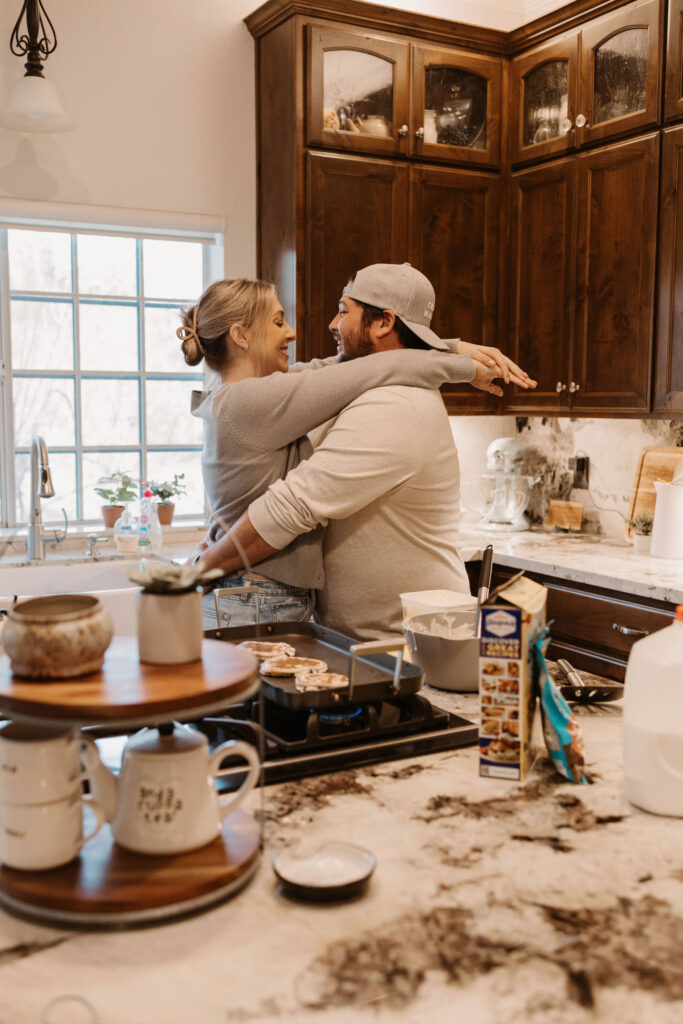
{"x":627,"y":631}
{"x":420,"y":133}
{"x":403,"y":131}
{"x":580,"y":121}
{"x":560,"y":387}
{"x":566,"y":126}
{"x":574,"y":387}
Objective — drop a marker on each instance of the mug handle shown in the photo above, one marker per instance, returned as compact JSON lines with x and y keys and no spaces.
{"x":99,"y":814}
{"x":230,"y":801}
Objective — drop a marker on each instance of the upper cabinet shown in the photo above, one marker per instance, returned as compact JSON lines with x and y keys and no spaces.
{"x":377,"y":95}
{"x":589,"y":86}
{"x":673,"y":86}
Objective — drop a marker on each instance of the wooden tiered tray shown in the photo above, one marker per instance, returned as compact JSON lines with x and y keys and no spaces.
{"x":106,"y":885}
{"x":112,"y":887}
{"x":128,"y":692}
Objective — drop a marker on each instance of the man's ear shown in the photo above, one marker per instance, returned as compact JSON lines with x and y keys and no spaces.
{"x":240,"y":337}
{"x":385,"y":326}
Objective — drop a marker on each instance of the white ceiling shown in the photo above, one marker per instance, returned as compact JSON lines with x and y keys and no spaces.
{"x":501,"y":14}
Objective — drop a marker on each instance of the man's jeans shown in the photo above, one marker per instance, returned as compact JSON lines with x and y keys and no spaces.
{"x":279,"y":603}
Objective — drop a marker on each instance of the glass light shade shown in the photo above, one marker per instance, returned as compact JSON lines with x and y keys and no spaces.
{"x":34,"y":107}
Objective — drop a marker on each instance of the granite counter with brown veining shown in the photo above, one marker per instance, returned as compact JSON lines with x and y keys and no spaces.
{"x":492,"y":902}
{"x":584,"y":558}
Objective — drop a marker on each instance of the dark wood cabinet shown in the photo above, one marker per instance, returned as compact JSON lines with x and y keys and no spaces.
{"x":583,"y":291}
{"x":388,"y":135}
{"x":615,"y":277}
{"x":543,"y":99}
{"x":541,"y":264}
{"x":383,"y":95}
{"x":589,"y":85}
{"x":374,"y":229}
{"x":455,"y":239}
{"x":358,"y":91}
{"x":668,"y":397}
{"x":456,"y":102}
{"x":450,"y":229}
{"x":673,"y":82}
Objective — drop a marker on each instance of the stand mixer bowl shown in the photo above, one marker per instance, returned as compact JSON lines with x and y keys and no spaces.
{"x":502,"y":494}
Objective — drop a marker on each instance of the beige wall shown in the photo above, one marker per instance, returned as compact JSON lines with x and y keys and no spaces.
{"x":163,"y":91}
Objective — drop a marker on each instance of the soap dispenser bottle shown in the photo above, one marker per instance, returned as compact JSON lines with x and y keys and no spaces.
{"x":126,"y":533}
{"x":149,"y":530}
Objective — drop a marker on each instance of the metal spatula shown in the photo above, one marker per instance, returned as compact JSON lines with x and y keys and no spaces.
{"x":577,"y":690}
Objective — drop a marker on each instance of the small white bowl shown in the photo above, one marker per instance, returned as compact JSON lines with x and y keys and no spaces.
{"x":335,"y":871}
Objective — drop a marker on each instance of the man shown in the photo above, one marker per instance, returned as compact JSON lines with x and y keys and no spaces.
{"x":384,"y":478}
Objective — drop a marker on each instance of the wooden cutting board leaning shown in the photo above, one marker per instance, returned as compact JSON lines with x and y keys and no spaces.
{"x":656,"y":462}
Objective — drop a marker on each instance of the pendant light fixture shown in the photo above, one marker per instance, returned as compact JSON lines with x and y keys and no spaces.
{"x":34,"y":105}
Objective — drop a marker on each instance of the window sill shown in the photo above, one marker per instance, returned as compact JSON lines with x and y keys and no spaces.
{"x":177,"y":538}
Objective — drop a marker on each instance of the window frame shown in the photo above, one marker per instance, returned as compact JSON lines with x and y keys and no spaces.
{"x":212,"y":269}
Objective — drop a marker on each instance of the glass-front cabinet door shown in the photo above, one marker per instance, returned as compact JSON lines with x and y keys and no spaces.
{"x":673,"y":86}
{"x":620,"y":72}
{"x":544,"y":83}
{"x":358,"y":91}
{"x":456,"y":106}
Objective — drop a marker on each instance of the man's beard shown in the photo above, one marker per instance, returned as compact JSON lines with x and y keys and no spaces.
{"x":359,"y":344}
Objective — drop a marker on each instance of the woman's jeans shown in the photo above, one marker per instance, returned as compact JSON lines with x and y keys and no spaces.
{"x":278,"y":603}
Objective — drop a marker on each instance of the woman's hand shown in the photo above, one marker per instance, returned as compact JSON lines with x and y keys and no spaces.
{"x":493,"y":358}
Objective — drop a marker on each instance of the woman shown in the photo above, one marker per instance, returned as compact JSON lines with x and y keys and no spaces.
{"x":256,"y":421}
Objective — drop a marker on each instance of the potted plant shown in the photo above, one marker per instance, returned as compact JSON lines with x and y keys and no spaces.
{"x":120,"y":488}
{"x":641,"y":526}
{"x":164,"y":491}
{"x":170,"y":624}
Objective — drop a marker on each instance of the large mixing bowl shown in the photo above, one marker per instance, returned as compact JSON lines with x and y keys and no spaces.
{"x":449,"y":662}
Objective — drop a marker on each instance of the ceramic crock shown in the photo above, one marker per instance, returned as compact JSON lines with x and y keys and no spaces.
{"x":57,"y":637}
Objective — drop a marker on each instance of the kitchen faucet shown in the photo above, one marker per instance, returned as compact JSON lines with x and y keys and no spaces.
{"x":41,"y":487}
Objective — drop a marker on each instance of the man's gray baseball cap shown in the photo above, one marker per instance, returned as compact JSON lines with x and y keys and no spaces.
{"x":402,"y":289}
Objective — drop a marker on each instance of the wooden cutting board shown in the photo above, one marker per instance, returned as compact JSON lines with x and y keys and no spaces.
{"x":656,"y":463}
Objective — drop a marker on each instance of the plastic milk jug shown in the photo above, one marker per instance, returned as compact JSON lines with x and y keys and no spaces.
{"x":149,"y":530}
{"x":653,"y":721}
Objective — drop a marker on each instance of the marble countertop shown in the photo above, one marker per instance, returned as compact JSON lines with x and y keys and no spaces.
{"x":584,"y":558}
{"x":492,"y":903}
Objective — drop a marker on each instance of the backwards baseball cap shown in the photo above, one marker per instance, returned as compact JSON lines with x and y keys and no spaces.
{"x":402,"y":289}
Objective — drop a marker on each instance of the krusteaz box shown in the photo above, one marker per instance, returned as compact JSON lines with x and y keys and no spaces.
{"x":510,"y":623}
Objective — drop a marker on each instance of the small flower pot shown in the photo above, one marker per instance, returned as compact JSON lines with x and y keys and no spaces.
{"x":111,"y":514}
{"x":165,"y":510}
{"x":641,"y":543}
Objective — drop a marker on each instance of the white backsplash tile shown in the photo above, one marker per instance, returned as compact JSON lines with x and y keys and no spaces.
{"x":613,"y":447}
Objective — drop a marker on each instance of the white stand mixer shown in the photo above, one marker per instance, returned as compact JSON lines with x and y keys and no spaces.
{"x":504,"y":492}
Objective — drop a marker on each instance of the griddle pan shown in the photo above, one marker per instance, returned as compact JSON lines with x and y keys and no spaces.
{"x":373,"y":673}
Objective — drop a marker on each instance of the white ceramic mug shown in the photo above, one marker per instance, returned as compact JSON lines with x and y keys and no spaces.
{"x":39,"y":764}
{"x":36,"y":837}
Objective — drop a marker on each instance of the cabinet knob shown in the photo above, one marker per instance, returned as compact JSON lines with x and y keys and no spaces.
{"x":627,"y":631}
{"x":574,"y":387}
{"x":403,"y":131}
{"x":580,"y":120}
{"x":420,"y":133}
{"x":560,"y":387}
{"x":566,"y":126}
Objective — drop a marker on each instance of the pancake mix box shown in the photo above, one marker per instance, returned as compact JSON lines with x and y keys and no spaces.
{"x":510,"y":623}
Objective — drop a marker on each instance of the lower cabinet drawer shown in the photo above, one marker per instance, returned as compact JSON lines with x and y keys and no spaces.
{"x":601,"y":621}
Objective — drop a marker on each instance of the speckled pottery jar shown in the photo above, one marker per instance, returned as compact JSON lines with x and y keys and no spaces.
{"x":57,"y":637}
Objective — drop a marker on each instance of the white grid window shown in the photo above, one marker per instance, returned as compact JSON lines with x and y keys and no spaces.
{"x":90,"y":361}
